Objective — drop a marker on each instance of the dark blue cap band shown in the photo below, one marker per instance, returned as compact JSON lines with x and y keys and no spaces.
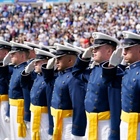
{"x":15,"y":48}
{"x":45,"y":49}
{"x":3,"y":46}
{"x":131,"y":41}
{"x":38,"y":56}
{"x":61,"y":52}
{"x":105,"y":41}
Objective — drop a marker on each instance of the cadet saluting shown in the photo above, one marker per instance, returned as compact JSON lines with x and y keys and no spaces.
{"x":102,"y":124}
{"x":5,"y":47}
{"x":19,"y":99}
{"x":67,"y":105}
{"x":130,"y":116}
{"x":39,"y":95}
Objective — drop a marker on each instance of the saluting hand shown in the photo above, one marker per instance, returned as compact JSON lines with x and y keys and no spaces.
{"x":123,"y":62}
{"x":51,"y":63}
{"x":30,"y":67}
{"x":116,"y":57}
{"x":7,"y":59}
{"x":87,"y":53}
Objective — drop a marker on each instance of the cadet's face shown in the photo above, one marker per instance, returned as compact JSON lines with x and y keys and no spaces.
{"x":100,"y":54}
{"x":16,"y":58}
{"x":131,"y":54}
{"x":3,"y":52}
{"x":62,"y":63}
{"x":38,"y":65}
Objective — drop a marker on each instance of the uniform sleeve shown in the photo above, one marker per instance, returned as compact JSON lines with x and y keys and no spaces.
{"x":114,"y":96}
{"x":109,"y":73}
{"x":80,"y":70}
{"x":26,"y":95}
{"x":28,"y":79}
{"x":8,"y":110}
{"x":4,"y":84}
{"x":49,"y":89}
{"x":48,"y":74}
{"x":25,"y":79}
{"x":49,"y":78}
{"x":77,"y":94}
{"x":113,"y":77}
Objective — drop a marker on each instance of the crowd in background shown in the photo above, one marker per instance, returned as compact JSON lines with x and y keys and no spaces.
{"x":71,"y":22}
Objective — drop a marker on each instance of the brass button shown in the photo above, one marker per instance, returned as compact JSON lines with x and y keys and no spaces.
{"x":130,"y":95}
{"x":134,"y":80}
{"x":137,"y":73}
{"x":94,"y":108}
{"x":98,"y":84}
{"x":96,"y":100}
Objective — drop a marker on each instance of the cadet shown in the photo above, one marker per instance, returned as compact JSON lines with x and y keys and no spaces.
{"x":67,"y":105}
{"x":100,"y":104}
{"x":19,"y":99}
{"x":39,"y":97}
{"x":130,"y":116}
{"x":5,"y":47}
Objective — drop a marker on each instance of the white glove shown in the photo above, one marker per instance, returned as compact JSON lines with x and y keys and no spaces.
{"x":93,"y":64}
{"x":116,"y":57}
{"x":7,"y":59}
{"x":49,"y":137}
{"x":27,"y":124}
{"x":30,"y":67}
{"x":87,"y":53}
{"x":73,"y":137}
{"x":7,"y":119}
{"x":123,"y":62}
{"x":51,"y":63}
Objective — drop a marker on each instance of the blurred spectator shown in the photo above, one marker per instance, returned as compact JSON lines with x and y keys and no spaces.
{"x":71,"y":22}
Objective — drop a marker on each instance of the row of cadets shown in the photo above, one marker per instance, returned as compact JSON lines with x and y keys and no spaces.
{"x":102,"y":102}
{"x":19,"y":98}
{"x":5,"y":47}
{"x":67,"y":104}
{"x":40,"y":96}
{"x":130,"y":84}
